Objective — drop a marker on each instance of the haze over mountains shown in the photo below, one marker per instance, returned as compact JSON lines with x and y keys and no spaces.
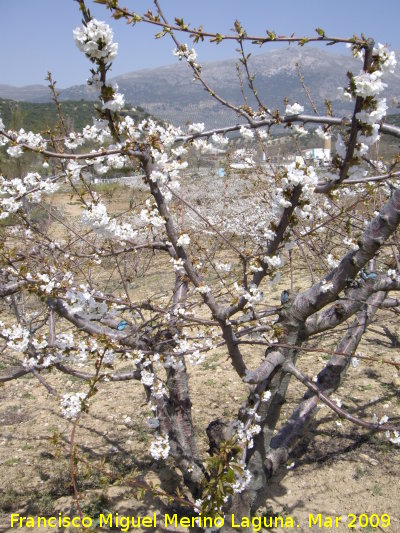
{"x":169,"y":92}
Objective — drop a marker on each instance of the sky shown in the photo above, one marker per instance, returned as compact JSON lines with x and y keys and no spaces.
{"x":36,"y":35}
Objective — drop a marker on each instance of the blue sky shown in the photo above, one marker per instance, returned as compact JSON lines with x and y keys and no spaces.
{"x":37,"y":34}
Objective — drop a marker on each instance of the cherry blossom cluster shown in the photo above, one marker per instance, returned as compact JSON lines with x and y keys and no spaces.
{"x":194,"y":350}
{"x":95,"y":215}
{"x":245,"y":434}
{"x":243,"y":158}
{"x":159,"y":448}
{"x":183,"y":52}
{"x":150,"y":215}
{"x":294,"y":109}
{"x":95,"y":39}
{"x":85,"y":302}
{"x":44,"y":356}
{"x":20,"y":140}
{"x":253,"y":295}
{"x":32,"y":186}
{"x":17,"y":337}
{"x":241,"y":481}
{"x":77,"y":350}
{"x":117,"y":102}
{"x":368,"y":85}
{"x":72,"y":404}
{"x":98,"y":132}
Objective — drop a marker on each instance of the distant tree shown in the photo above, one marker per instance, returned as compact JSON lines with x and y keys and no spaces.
{"x":225,"y":245}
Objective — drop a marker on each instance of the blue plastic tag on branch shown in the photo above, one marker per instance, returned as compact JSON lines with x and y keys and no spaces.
{"x":122,"y":325}
{"x":368,"y":275}
{"x":284,"y":297}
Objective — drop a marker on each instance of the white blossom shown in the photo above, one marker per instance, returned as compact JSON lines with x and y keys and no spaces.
{"x":203,"y":289}
{"x":147,"y":378}
{"x":332,"y":262}
{"x":184,"y":240}
{"x":387,"y":58}
{"x":153,"y":423}
{"x":116,"y":103}
{"x":15,"y":151}
{"x":198,"y":127}
{"x":95,"y":214}
{"x":266,"y":395}
{"x":196,"y":357}
{"x":340,"y":147}
{"x":325,"y":286}
{"x":159,"y":448}
{"x":396,"y":438}
{"x":369,"y":84}
{"x":263,"y":134}
{"x":223,"y":267}
{"x":219,"y":140}
{"x":242,"y":481}
{"x":245,"y":436}
{"x":95,"y":39}
{"x":348,"y":242}
{"x":372,"y":116}
{"x":294,"y":109}
{"x":189,"y":54}
{"x":246,"y":132}
{"x":159,"y":177}
{"x":177,"y":263}
{"x":73,"y":141}
{"x":17,"y":337}
{"x":79,"y":301}
{"x":297,"y":128}
{"x":323,"y":134}
{"x":274,"y":262}
{"x":71,"y":404}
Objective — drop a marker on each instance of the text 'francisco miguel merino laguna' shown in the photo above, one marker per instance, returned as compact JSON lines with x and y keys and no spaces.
{"x":126,"y":523}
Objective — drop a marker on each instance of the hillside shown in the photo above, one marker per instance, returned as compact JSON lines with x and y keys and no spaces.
{"x":39,"y":116}
{"x":28,"y":93}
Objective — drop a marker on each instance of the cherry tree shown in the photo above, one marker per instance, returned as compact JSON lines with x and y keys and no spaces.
{"x":244,"y":235}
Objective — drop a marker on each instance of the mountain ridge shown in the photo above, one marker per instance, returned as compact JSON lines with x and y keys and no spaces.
{"x":168,"y":92}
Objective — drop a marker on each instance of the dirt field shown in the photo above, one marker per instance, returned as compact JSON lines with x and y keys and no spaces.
{"x":338,"y":469}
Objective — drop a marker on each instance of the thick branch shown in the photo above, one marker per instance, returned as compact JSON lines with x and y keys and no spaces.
{"x":287,"y":119}
{"x":328,"y":380}
{"x":376,"y":233}
{"x":341,"y":412}
{"x":14,"y":373}
{"x":10,"y":288}
{"x":271,"y":249}
{"x":86,"y":376}
{"x":347,"y":306}
{"x":273,"y":360}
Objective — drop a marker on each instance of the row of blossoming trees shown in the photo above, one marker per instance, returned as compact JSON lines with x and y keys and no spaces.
{"x":339,"y":223}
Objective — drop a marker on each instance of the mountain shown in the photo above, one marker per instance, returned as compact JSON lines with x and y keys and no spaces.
{"x":170,"y":93}
{"x":29,"y":93}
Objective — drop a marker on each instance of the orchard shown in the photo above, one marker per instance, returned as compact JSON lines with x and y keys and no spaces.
{"x":283,"y":267}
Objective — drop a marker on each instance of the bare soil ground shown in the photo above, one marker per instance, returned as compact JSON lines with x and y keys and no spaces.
{"x":337,"y":469}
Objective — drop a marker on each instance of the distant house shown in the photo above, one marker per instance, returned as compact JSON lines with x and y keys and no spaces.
{"x":321,"y":156}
